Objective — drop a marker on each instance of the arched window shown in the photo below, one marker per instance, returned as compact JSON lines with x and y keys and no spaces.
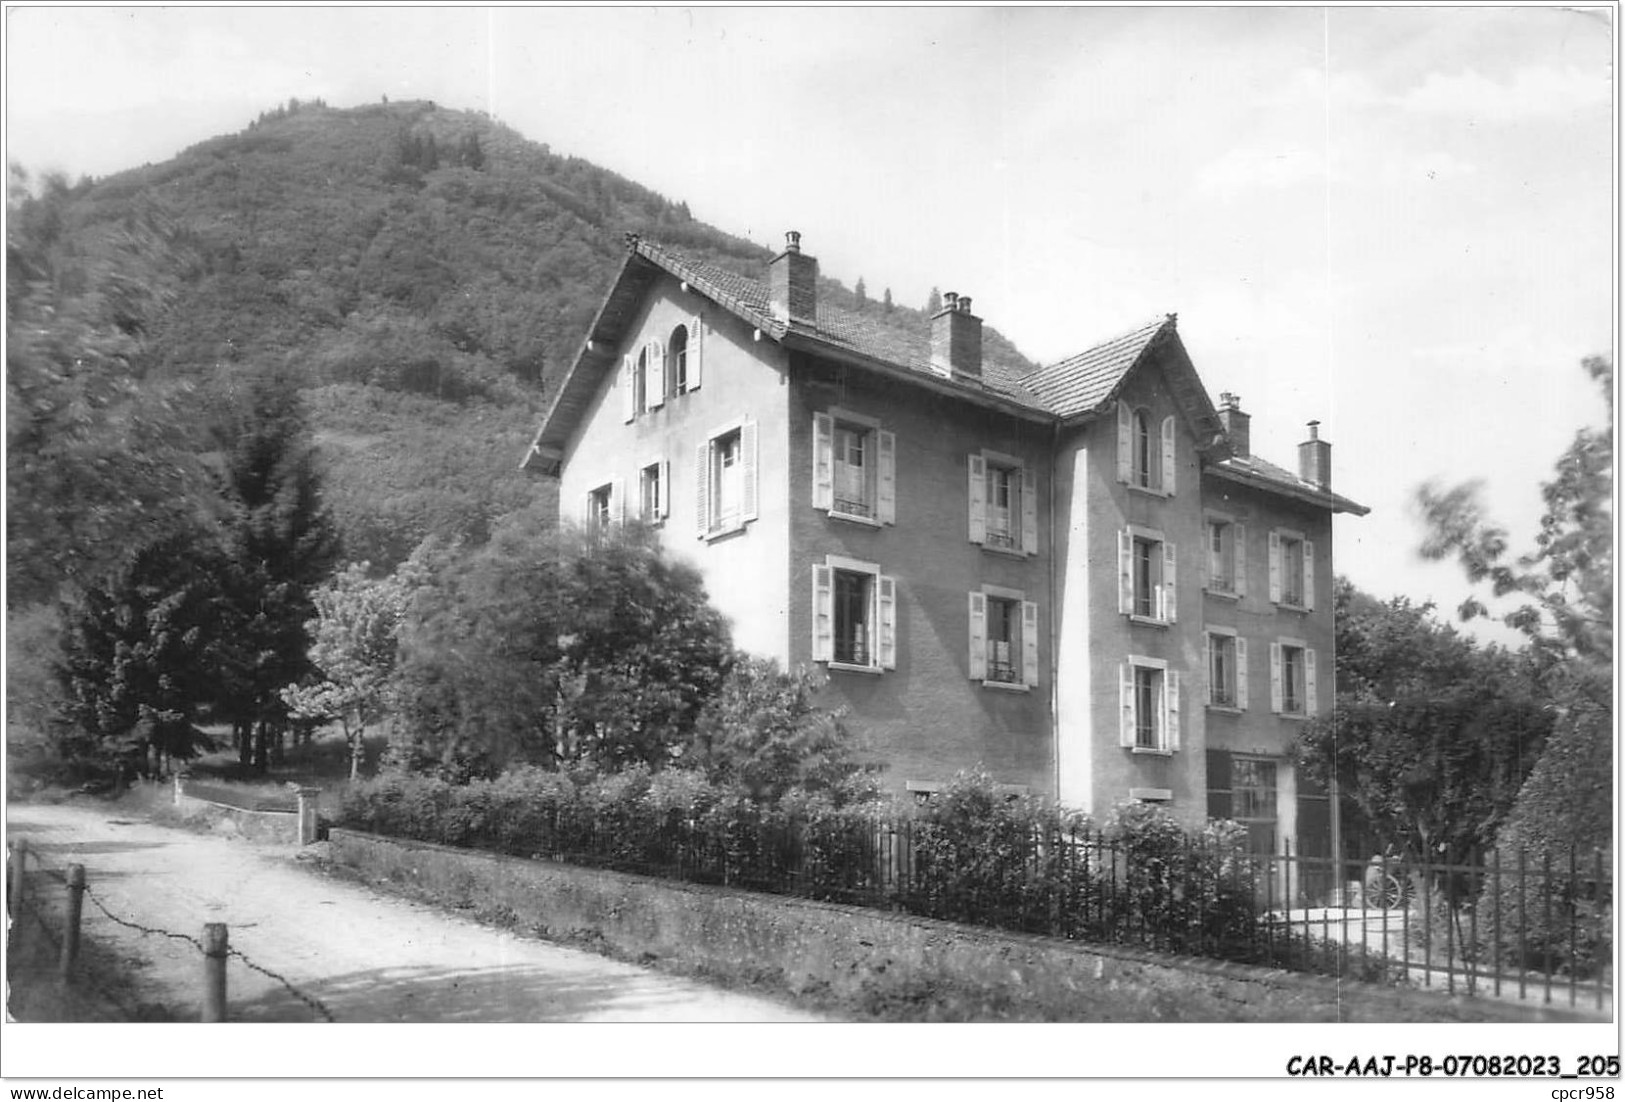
{"x":1144,"y":453}
{"x":677,"y":359}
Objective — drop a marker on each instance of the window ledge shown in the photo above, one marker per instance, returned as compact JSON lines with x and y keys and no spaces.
{"x":1226,"y":594}
{"x":1227,"y":709}
{"x":1288,"y":606}
{"x":1153,"y":751}
{"x":728,"y":530}
{"x":1301,"y":716}
{"x":1007,"y":686}
{"x":853,"y":518}
{"x":1149,"y":621}
{"x":1148,"y":491}
{"x":1007,"y":552}
{"x":848,"y":667}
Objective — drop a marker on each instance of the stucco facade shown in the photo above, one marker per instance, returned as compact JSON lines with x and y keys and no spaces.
{"x":1077,"y":578}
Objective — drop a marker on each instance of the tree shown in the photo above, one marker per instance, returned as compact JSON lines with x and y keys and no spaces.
{"x":96,"y":463}
{"x":764,"y":733}
{"x":280,"y":544}
{"x":1568,"y":579}
{"x":862,"y":292}
{"x":139,"y":653}
{"x":933,"y":304}
{"x":885,"y":301}
{"x":354,"y":639}
{"x":1431,"y":736}
{"x":555,"y":648}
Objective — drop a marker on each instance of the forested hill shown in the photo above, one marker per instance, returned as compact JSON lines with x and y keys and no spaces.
{"x":426,"y":273}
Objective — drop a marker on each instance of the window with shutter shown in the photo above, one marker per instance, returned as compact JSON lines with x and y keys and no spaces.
{"x":1148,"y":571}
{"x":977,"y":490}
{"x":653,"y":487}
{"x":823,"y":611}
{"x":696,"y":352}
{"x":655,"y":385}
{"x":726,"y":473}
{"x":1292,"y":570}
{"x":677,"y":361}
{"x":1150,"y":705}
{"x":1291,"y":678}
{"x":1166,"y":482}
{"x":854,"y":468}
{"x":861,"y":620}
{"x":823,"y":461}
{"x":978,"y":636}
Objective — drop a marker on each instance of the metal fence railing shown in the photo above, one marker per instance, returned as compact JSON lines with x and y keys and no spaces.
{"x":1519,"y":926}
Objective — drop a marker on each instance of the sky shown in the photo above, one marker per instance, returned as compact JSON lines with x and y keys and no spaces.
{"x":1398,"y":222}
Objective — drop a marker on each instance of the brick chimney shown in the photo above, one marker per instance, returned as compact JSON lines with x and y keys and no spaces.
{"x":1315,"y":459}
{"x":792,"y":283}
{"x":1237,"y":425}
{"x":956,"y":338}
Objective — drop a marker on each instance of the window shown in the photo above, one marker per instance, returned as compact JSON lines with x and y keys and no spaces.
{"x":1150,"y":706}
{"x":1145,"y":454}
{"x":854,"y":468}
{"x":725,"y":479}
{"x":1226,"y":546}
{"x":677,"y":360}
{"x":1226,"y":669}
{"x":1253,"y":789}
{"x":654,"y":482}
{"x":854,"y":615}
{"x":1293,"y":691}
{"x":1292,"y":570}
{"x":1003,"y":638}
{"x":1147,"y":568}
{"x":603,"y":507}
{"x":1003,"y":504}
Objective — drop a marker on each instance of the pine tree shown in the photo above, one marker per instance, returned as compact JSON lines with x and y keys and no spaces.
{"x":281,"y":544}
{"x":885,"y":301}
{"x":862,"y":292}
{"x":933,"y":305}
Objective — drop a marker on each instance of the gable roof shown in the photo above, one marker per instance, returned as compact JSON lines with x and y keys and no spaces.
{"x":1074,"y":389}
{"x":1250,"y":470}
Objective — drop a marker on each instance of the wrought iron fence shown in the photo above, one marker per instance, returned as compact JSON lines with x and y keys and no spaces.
{"x":1504,"y":926}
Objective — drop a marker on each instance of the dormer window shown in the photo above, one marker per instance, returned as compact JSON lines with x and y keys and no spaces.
{"x":1145,"y":450}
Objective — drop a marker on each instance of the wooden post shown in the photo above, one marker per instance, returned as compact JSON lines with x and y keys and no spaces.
{"x":70,"y":931}
{"x":19,"y":866}
{"x":180,"y":782}
{"x":214,"y":972}
{"x":309,"y":798}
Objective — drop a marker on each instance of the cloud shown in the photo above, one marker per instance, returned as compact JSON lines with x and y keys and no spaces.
{"x":1533,"y":93}
{"x":1242,"y":171}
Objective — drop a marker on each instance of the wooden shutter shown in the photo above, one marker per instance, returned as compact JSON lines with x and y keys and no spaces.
{"x":655,"y":383}
{"x":1029,"y":510}
{"x":1125,"y":442}
{"x":1275,"y":569}
{"x":1029,"y":642}
{"x":1170,"y":573}
{"x":1238,"y":538}
{"x":978,"y":499}
{"x":1125,"y":696}
{"x":1275,"y":678}
{"x":823,"y":461}
{"x":1169,"y":466}
{"x":886,"y":477}
{"x":978,"y":636}
{"x":1170,"y":693}
{"x":1241,"y":673}
{"x":663,"y":490}
{"x":1125,"y":571}
{"x":1204,"y":561}
{"x":886,"y":591}
{"x":823,"y":613}
{"x":629,"y":388}
{"x":617,"y":495}
{"x":586,"y":510}
{"x":702,"y":489}
{"x":1309,"y":575}
{"x":1207,"y":667}
{"x":1311,"y":696}
{"x":747,"y":473}
{"x":696,"y":336}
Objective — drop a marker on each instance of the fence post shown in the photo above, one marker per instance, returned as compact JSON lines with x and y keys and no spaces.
{"x":214,"y":972}
{"x":309,"y":799}
{"x":19,"y":864}
{"x":70,"y":931}
{"x":180,"y":782}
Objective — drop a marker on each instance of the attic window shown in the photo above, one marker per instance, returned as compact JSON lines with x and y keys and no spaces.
{"x":677,"y":359}
{"x":1145,"y":457}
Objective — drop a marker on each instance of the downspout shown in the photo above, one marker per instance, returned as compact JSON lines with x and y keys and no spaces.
{"x":1054,"y":619}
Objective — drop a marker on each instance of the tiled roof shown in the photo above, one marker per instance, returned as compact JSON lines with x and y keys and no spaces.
{"x":894,"y":343}
{"x":1251,"y":468}
{"x":1081,"y":383}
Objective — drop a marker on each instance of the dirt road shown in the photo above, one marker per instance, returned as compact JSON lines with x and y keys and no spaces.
{"x":364,"y":956}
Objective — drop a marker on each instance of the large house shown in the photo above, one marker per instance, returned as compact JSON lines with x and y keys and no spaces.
{"x":1079,"y":578}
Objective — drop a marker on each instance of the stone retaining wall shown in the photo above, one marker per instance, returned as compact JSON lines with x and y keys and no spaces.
{"x":889,"y":964}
